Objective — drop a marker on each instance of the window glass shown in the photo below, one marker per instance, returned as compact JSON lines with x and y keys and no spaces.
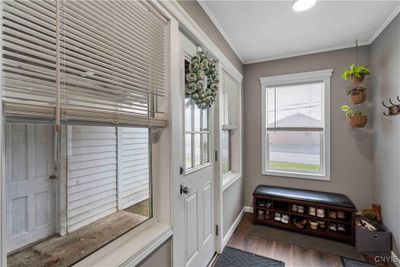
{"x":295,"y":106}
{"x":108,"y":189}
{"x":197,"y":150}
{"x":188,"y":151}
{"x":294,"y":128}
{"x":204,"y":148}
{"x":225,"y":151}
{"x":294,"y":150}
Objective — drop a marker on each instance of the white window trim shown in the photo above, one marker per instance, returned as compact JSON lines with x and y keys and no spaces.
{"x":313,"y":76}
{"x":143,"y":240}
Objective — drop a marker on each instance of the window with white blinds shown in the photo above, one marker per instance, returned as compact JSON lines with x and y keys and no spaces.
{"x":103,"y":61}
{"x":229,"y":104}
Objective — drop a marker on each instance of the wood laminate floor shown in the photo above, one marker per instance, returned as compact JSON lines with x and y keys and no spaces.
{"x":292,"y":256}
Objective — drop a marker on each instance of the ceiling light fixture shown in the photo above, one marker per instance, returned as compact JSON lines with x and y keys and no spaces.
{"x":303,"y":5}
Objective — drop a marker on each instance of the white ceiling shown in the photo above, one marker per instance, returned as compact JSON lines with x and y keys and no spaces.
{"x":267,"y":30}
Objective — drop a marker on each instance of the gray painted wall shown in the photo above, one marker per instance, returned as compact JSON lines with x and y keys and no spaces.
{"x":232,"y":204}
{"x":351,"y":156}
{"x":193,"y":8}
{"x":385,"y":66}
{"x":162,"y":257}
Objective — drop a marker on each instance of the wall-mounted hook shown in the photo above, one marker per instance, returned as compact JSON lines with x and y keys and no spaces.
{"x":383,"y":103}
{"x":393,"y":109}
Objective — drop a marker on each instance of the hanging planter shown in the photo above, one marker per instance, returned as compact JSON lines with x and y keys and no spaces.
{"x":355,"y":118}
{"x":358,"y":121}
{"x":202,"y":80}
{"x":357,"y":95}
{"x":356,"y":73}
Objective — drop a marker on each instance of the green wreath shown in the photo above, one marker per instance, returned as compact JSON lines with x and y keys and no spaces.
{"x":202,"y":80}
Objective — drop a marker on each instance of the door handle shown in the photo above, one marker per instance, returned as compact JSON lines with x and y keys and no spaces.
{"x":53,"y":177}
{"x":185,"y":189}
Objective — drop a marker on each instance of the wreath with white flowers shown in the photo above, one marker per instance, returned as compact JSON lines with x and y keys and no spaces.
{"x":202,"y":80}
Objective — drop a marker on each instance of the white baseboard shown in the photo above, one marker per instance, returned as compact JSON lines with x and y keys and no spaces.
{"x":232,"y":229}
{"x":248,"y":209}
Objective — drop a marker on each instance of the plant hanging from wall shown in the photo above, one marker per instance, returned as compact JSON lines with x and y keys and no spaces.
{"x":202,"y":80}
{"x":355,"y":117}
{"x":356,"y":73}
{"x":357,"y":92}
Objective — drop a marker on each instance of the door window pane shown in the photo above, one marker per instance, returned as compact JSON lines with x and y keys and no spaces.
{"x":204,"y":120}
{"x":197,"y":150}
{"x":188,"y":115}
{"x":197,"y":118}
{"x":204,"y":147}
{"x":294,"y":151}
{"x":188,"y":151}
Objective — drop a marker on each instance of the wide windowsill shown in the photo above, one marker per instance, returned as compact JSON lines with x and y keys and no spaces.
{"x":230,"y":179}
{"x":299,"y":175}
{"x":131,"y":248}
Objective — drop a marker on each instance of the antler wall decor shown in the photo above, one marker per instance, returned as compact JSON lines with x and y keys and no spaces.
{"x":393,"y":109}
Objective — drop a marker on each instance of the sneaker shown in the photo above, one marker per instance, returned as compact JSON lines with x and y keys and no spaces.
{"x":332,"y":227}
{"x":341,"y":214}
{"x":285,"y":219}
{"x":300,"y":209}
{"x":294,"y":207}
{"x":277,"y":216}
{"x":268,"y":204}
{"x":311,"y":211}
{"x":261,"y":203}
{"x":321,"y":213}
{"x":322,"y":224}
{"x":340,"y":227}
{"x":332,"y":214}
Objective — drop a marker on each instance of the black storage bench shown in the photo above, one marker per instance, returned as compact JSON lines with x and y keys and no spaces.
{"x":322,"y":214}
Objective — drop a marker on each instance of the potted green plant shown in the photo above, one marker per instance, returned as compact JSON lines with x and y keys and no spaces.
{"x":356,"y":73}
{"x":355,"y":117}
{"x":358,"y":94}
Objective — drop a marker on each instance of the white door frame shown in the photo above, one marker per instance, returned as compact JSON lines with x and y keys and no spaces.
{"x":189,"y":27}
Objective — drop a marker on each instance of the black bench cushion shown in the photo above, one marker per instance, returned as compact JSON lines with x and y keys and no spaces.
{"x":305,"y":195}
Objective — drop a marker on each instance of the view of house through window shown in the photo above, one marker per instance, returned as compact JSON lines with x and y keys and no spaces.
{"x":107,"y":190}
{"x":295,"y":127}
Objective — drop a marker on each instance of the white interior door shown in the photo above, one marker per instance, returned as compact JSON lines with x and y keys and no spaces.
{"x":30,"y":191}
{"x":194,"y":231}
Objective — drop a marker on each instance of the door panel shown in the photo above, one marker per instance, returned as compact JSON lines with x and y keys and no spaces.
{"x":194,"y":236}
{"x":207,"y":210}
{"x":30,"y":192}
{"x":191,"y":220}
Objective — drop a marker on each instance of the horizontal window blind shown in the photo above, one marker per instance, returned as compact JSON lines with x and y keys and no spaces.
{"x":111,"y":61}
{"x":29,"y":58}
{"x":229,"y":102}
{"x":295,"y":107}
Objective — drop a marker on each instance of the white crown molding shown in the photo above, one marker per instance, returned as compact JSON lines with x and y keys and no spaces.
{"x":309,"y":52}
{"x":385,"y":24}
{"x":217,"y":24}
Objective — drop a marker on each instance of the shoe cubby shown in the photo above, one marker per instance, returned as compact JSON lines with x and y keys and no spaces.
{"x":306,"y":217}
